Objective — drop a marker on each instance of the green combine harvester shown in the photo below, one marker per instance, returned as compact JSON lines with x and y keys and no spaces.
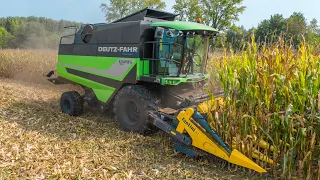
{"x":150,"y":70}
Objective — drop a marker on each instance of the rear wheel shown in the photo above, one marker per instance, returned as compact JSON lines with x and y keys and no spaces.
{"x":71,"y":103}
{"x":131,"y":107}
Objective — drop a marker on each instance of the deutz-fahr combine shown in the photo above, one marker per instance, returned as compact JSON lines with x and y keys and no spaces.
{"x":151,"y":71}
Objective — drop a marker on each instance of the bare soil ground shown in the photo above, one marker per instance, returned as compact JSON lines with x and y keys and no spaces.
{"x":37,"y":141}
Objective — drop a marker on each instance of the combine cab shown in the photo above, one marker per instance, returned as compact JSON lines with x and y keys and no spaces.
{"x":150,"y":70}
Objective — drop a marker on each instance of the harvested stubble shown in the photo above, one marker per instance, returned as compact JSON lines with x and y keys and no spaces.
{"x":39,"y":142}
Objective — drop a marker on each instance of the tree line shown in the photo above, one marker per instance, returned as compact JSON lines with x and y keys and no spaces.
{"x":40,"y":32}
{"x":32,"y":32}
{"x":293,"y":30}
{"x":222,"y":15}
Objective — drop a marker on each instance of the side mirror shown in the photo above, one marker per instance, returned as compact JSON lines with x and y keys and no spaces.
{"x":159,"y":33}
{"x":172,"y":33}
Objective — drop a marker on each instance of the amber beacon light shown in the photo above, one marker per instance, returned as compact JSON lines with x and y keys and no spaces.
{"x":199,"y":20}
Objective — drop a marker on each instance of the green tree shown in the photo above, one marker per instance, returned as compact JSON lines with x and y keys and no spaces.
{"x":181,"y":7}
{"x":154,"y":4}
{"x":313,"y":36}
{"x":236,"y":36}
{"x":33,"y":32}
{"x":314,"y":25}
{"x":296,"y":27}
{"x":116,"y":9}
{"x":219,"y":14}
{"x":270,"y":29}
{"x":12,"y":24}
{"x":292,"y":29}
{"x":188,"y":10}
{"x":3,"y":37}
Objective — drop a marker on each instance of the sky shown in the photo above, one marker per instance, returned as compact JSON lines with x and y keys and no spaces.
{"x":88,"y":11}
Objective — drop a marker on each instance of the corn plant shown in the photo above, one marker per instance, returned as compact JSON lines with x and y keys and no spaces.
{"x":271,"y":101}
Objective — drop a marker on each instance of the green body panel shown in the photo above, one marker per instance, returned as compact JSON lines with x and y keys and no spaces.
{"x":184,"y":26}
{"x":90,"y":64}
{"x":102,"y":92}
{"x":145,"y":67}
{"x":113,"y":69}
{"x":142,"y":68}
{"x":178,"y":80}
{"x":93,"y":62}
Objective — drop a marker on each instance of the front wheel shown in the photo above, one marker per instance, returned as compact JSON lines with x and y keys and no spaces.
{"x":131,"y":108}
{"x":71,"y":103}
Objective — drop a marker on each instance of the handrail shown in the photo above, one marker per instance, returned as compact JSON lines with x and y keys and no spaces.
{"x":169,"y":60}
{"x":67,"y":36}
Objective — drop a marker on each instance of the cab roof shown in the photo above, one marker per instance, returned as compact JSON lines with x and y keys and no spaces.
{"x":184,"y":26}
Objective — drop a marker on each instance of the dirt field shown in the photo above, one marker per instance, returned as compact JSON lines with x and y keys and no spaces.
{"x":39,"y":142}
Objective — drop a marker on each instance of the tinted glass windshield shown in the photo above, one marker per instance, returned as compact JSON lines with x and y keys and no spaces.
{"x":193,"y":55}
{"x":181,"y":53}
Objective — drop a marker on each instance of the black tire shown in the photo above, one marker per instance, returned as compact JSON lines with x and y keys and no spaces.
{"x":131,"y":107}
{"x":71,"y":103}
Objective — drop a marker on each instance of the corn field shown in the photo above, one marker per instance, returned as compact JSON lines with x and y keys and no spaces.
{"x":27,"y":65}
{"x":271,"y":107}
{"x":270,"y":110}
